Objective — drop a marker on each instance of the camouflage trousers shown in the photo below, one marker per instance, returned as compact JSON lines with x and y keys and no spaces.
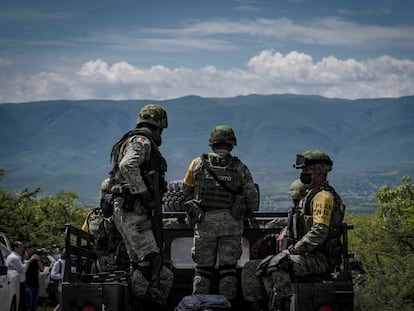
{"x":138,"y":243}
{"x":217,"y":239}
{"x":142,"y":289}
{"x":260,"y":288}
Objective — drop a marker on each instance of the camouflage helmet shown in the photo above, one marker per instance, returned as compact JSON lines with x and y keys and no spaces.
{"x":314,"y":159}
{"x":105,"y":186}
{"x":154,"y":115}
{"x":298,"y":189}
{"x":222,"y":134}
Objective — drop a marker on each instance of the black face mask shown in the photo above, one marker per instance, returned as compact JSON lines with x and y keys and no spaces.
{"x":306,"y":178}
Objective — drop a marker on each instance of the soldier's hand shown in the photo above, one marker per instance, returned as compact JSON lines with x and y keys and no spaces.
{"x":281,"y":237}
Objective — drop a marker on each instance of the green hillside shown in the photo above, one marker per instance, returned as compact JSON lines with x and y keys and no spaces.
{"x":66,"y":144}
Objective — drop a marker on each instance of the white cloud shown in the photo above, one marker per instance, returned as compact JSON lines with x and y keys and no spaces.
{"x":266,"y":73}
{"x":332,"y":31}
{"x":232,"y":35}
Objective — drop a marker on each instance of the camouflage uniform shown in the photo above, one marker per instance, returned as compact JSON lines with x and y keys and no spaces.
{"x":95,"y":215}
{"x":108,"y":243}
{"x":218,"y":213}
{"x":297,"y":190}
{"x":254,"y":287}
{"x":135,"y":159}
{"x":317,"y":228}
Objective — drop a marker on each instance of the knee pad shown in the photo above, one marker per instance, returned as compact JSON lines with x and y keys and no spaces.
{"x":206,"y":272}
{"x":139,"y":284}
{"x":227,"y":270}
{"x":150,"y":267}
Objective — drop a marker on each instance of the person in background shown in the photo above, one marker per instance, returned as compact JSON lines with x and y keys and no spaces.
{"x":97,"y":211}
{"x":16,"y":261}
{"x":107,"y":241}
{"x":253,"y":288}
{"x":58,"y":269}
{"x":32,"y":277}
{"x":297,"y":191}
{"x":224,"y":194}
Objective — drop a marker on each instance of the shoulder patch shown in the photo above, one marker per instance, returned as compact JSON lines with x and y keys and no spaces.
{"x":189,"y":176}
{"x":322,"y":206}
{"x":138,"y":139}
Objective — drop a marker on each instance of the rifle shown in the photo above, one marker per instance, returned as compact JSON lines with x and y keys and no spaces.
{"x":288,"y":238}
{"x":156,"y":213}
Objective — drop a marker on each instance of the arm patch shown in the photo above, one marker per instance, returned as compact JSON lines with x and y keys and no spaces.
{"x":140,"y":140}
{"x":189,"y":176}
{"x":322,"y":206}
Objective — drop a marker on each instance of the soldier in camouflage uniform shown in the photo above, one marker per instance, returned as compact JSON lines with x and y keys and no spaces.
{"x":317,"y":225}
{"x":223,"y":195}
{"x":137,"y":180}
{"x":252,"y":286}
{"x":94,"y":216}
{"x":297,"y":191}
{"x":108,"y":243}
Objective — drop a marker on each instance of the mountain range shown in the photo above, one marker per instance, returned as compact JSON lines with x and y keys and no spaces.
{"x":65,"y":145}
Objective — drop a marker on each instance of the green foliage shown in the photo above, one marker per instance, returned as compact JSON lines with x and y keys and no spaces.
{"x":26,"y":217}
{"x":384,"y":241}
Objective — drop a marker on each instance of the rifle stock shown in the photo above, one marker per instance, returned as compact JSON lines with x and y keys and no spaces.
{"x":156,"y":218}
{"x":288,"y":238}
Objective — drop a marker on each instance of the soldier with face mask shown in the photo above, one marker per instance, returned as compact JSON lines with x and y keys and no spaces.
{"x":252,"y":286}
{"x":317,"y":223}
{"x":224,"y":194}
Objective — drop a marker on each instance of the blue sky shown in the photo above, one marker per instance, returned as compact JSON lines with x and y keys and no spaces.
{"x":160,"y":49}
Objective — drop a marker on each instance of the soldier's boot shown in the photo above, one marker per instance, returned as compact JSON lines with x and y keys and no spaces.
{"x":150,"y":268}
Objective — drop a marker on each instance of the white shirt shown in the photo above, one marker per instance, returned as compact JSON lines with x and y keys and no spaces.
{"x":58,"y":269}
{"x":15,"y":262}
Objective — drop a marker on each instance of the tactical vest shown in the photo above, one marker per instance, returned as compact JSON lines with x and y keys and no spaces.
{"x":303,"y":221}
{"x":155,"y":167}
{"x":211,"y":194}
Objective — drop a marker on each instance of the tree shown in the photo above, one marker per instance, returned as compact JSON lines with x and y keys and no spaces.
{"x":26,"y":217}
{"x":384,"y":242}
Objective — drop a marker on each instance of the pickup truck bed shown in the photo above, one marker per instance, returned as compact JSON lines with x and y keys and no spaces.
{"x":109,"y":291}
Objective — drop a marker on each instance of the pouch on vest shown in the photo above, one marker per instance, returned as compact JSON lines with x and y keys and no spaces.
{"x":107,"y":205}
{"x":238,"y":209}
{"x":95,"y":221}
{"x":195,"y":213}
{"x":128,"y":201}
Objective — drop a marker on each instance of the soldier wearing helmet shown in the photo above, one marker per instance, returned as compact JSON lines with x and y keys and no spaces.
{"x":253,"y":287}
{"x":317,"y":225}
{"x":137,"y":184}
{"x":297,"y":191}
{"x":223,"y":195}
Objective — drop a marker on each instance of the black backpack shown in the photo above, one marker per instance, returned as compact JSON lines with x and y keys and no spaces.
{"x":203,"y":302}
